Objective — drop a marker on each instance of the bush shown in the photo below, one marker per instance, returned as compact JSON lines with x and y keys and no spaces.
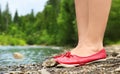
{"x":9,"y":40}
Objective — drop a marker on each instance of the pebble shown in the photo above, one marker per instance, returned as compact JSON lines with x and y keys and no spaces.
{"x":49,"y":63}
{"x":118,"y":69}
{"x":1,"y":73}
{"x":114,"y":54}
{"x":44,"y":71}
{"x":17,"y":55}
{"x":11,"y":72}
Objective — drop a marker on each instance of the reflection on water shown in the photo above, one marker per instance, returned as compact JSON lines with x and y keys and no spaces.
{"x":32,"y":54}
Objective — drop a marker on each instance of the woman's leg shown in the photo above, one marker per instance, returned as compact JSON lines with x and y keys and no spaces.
{"x":81,"y":7}
{"x":93,"y":32}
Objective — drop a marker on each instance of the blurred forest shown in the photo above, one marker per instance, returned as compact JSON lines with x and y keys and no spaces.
{"x":55,"y":25}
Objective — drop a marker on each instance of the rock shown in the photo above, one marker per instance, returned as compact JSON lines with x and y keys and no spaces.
{"x":114,"y":54}
{"x":12,"y":72}
{"x":1,"y":73}
{"x":44,"y":71}
{"x":17,"y":55}
{"x":39,"y":71}
{"x":35,"y":72}
{"x":49,"y":63}
{"x":28,"y":72}
{"x":118,"y":69}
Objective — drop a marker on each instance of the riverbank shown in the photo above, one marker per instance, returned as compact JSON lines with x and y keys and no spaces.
{"x":111,"y":65}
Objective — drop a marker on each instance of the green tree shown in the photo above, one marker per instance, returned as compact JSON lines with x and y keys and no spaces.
{"x":46,"y":22}
{"x":65,"y":20}
{"x":32,"y":17}
{"x":113,"y":28}
{"x":0,"y":19}
{"x":6,"y":18}
{"x":50,"y":14}
{"x":16,"y":17}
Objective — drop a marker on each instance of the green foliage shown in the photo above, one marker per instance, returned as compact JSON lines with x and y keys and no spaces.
{"x":66,"y":34}
{"x":55,"y":25}
{"x":112,"y":34}
{"x":0,"y":18}
{"x":9,"y":40}
{"x":16,"y":17}
{"x":6,"y":19}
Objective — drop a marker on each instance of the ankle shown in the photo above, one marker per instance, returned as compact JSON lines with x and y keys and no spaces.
{"x":85,"y":51}
{"x":89,"y":47}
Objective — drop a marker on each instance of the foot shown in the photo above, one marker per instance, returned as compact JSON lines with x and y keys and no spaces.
{"x":84,"y":51}
{"x":71,"y":59}
{"x":81,"y":55}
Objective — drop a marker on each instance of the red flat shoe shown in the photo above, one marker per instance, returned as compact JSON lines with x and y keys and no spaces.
{"x":70,"y":59}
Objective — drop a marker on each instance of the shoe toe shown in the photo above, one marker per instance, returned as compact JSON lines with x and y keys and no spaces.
{"x":68,"y":60}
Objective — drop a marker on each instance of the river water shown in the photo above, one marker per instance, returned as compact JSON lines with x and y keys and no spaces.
{"x":32,"y":54}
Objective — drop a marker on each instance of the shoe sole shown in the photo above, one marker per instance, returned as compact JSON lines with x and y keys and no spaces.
{"x":76,"y":65}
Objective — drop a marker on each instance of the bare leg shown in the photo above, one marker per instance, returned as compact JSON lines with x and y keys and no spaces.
{"x":92,"y":40}
{"x":82,"y":17}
